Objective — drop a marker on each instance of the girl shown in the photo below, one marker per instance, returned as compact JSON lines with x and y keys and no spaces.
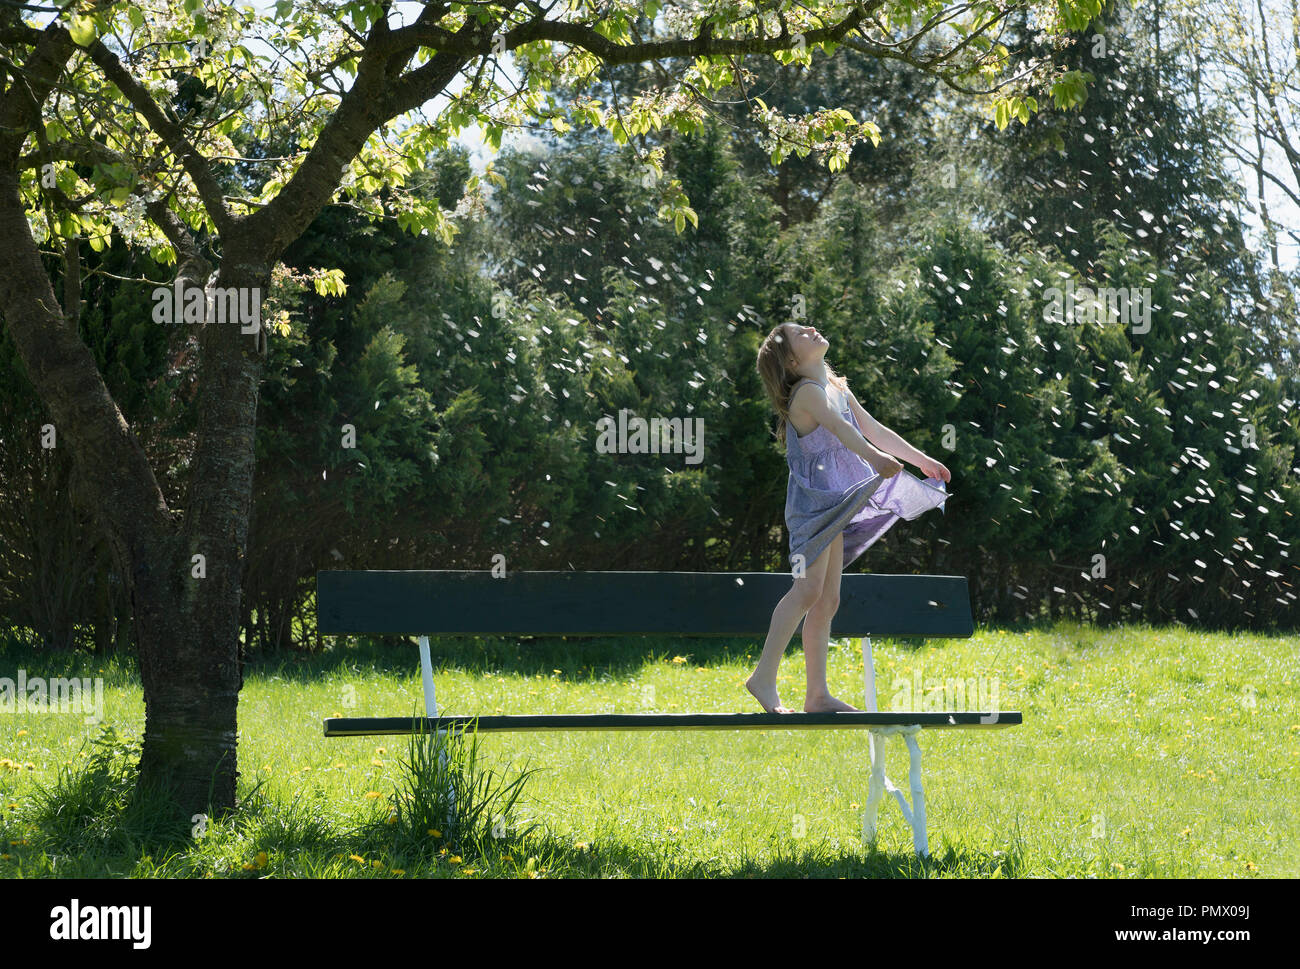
{"x":844,"y":493}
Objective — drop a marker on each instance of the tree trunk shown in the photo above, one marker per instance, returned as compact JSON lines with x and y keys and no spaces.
{"x":186,"y":617}
{"x":189,"y":668}
{"x":187,"y":587}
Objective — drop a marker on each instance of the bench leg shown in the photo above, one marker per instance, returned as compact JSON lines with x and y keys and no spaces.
{"x":914,"y":813}
{"x":879,"y":783}
{"x":919,"y":839}
{"x":431,"y":711}
{"x":875,"y":788}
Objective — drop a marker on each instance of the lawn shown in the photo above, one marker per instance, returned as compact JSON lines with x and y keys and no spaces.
{"x":1145,"y":752}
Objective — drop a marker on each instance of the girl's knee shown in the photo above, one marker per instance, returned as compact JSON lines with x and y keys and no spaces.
{"x":827,"y":603}
{"x":804,"y":594}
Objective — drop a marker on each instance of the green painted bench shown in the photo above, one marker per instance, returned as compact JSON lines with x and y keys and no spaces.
{"x":664,"y":604}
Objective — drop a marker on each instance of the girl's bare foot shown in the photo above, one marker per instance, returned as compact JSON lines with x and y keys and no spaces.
{"x":825,"y":703}
{"x":767,"y":697}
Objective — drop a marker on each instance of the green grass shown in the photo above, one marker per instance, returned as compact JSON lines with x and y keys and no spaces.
{"x":1144,"y":753}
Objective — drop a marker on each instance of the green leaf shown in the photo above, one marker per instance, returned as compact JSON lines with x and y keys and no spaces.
{"x":82,"y":30}
{"x":1002,"y":114}
{"x":330,"y":283}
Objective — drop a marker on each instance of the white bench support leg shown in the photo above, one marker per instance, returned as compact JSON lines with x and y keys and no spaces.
{"x":875,"y":788}
{"x":914,"y":813}
{"x":426,"y":668}
{"x":431,"y":709}
{"x":919,"y":839}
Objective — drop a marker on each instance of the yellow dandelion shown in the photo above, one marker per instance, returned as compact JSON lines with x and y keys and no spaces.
{"x":260,"y":860}
{"x":435,"y":833}
{"x":679,"y":660}
{"x":1251,"y":866}
{"x":581,"y":845}
{"x":1117,"y":866}
{"x":454,"y":860}
{"x":377,"y":762}
{"x":22,"y":733}
{"x":358,"y":859}
{"x":373,"y":794}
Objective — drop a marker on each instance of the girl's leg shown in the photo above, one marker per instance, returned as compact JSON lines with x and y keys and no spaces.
{"x":785,"y":620}
{"x":817,"y":636}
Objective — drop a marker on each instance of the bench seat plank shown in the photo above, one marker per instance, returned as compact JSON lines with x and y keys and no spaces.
{"x":440,"y":602}
{"x":368,"y":726}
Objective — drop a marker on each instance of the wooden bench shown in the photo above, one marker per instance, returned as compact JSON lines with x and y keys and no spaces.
{"x":662,"y":604}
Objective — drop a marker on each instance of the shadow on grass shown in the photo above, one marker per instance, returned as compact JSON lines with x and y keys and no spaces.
{"x":95,"y":820}
{"x":606,"y":859}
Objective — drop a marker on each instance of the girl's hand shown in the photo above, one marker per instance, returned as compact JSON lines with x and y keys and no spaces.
{"x":885,"y":465}
{"x":933,"y":469}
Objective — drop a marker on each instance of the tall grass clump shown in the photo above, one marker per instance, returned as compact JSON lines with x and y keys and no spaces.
{"x":446,"y":803}
{"x":96,"y":806}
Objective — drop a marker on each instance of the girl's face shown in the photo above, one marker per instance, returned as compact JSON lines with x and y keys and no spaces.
{"x":808,"y":345}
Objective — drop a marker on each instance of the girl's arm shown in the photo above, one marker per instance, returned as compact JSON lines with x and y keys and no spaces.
{"x":890,"y":442}
{"x":813,"y":402}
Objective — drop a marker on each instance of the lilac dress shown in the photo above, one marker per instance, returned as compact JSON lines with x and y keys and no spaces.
{"x":832,"y":490}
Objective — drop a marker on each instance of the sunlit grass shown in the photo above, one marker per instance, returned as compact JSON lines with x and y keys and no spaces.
{"x":1144,"y":753}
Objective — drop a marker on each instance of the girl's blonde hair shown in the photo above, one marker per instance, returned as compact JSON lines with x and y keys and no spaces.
{"x":776,"y":363}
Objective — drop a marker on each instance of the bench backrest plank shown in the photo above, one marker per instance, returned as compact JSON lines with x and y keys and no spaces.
{"x":414,"y":603}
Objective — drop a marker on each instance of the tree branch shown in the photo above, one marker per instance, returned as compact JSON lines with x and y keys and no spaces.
{"x":195,"y":165}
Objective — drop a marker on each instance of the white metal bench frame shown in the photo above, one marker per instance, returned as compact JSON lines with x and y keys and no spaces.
{"x":877,"y":784}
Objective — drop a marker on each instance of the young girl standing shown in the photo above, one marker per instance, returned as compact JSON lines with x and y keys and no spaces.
{"x":845,"y":491}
